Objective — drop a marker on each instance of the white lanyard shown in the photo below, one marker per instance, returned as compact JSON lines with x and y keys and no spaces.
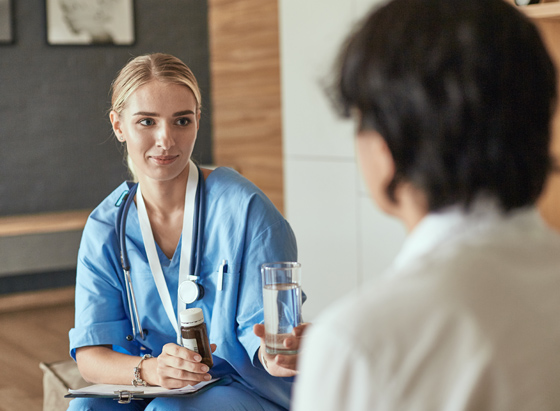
{"x":186,"y":247}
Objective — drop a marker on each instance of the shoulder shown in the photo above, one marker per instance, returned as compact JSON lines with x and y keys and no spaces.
{"x":98,"y":246}
{"x":237,"y":206}
{"x":225,"y":179}
{"x":454,"y":290}
{"x":390,"y":313}
{"x":226,"y":187}
{"x":103,"y":217}
{"x":389,"y":323}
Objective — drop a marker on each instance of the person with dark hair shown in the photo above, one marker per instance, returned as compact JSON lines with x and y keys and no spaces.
{"x":454,"y":101}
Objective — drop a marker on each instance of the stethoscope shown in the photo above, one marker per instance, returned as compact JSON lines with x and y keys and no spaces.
{"x":189,"y":289}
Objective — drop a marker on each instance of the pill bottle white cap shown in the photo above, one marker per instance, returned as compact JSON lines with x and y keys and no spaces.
{"x":191,"y":317}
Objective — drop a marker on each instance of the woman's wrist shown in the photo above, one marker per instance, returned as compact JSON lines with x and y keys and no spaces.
{"x":137,"y":379}
{"x":148,"y":371}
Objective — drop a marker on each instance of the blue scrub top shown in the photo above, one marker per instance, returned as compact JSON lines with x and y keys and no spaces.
{"x":242,"y":226}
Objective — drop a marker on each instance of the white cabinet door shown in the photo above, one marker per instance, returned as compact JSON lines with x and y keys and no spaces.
{"x":321,"y":207}
{"x":311,"y":32}
{"x":364,"y":7}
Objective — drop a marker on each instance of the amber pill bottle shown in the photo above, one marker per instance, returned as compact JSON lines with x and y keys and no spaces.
{"x":195,"y":335}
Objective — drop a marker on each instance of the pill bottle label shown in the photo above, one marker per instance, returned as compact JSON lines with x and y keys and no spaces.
{"x":190,"y":343}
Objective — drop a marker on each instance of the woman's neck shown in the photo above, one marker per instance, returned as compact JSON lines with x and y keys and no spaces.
{"x":411,"y":205}
{"x":164,"y":197}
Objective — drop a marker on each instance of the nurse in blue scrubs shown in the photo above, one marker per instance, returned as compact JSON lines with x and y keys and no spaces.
{"x":155,"y":114}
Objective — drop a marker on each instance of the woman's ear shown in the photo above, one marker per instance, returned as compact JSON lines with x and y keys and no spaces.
{"x":198,"y":120}
{"x":378,"y":168}
{"x":116,"y":123}
{"x":386,"y":160}
{"x":377,"y":165}
{"x":376,"y":159}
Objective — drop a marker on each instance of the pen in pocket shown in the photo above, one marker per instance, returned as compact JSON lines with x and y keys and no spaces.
{"x":223,"y":269}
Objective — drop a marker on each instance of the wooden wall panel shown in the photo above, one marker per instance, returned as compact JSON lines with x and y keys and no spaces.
{"x":246,"y":95}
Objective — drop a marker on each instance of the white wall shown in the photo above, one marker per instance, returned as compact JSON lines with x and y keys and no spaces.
{"x":343,"y":239}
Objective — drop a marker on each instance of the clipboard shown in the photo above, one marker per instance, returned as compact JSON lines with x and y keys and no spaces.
{"x":124,"y":394}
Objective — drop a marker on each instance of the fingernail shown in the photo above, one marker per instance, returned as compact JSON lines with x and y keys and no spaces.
{"x":197,"y":358}
{"x":207,"y":377}
{"x":204,"y":368}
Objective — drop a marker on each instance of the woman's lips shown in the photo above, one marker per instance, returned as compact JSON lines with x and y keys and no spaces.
{"x":164,"y":160}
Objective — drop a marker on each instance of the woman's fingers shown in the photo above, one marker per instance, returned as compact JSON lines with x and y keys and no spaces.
{"x":282,"y":365}
{"x":258,"y":329}
{"x":293,"y":342}
{"x":288,"y":362}
{"x":179,"y":357}
{"x":300,"y":329}
{"x":178,"y":367}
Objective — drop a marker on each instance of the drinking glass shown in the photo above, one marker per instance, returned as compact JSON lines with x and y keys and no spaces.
{"x":282,"y":303}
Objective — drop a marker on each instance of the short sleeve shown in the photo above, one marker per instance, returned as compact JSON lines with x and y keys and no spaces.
{"x":100,"y":317}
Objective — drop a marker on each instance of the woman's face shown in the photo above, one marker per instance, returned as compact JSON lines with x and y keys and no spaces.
{"x":159,"y":124}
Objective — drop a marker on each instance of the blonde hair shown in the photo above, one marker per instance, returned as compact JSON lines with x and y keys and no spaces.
{"x":143,"y":69}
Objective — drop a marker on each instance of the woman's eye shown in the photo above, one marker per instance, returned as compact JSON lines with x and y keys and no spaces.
{"x":147,"y":122}
{"x":183,"y":121}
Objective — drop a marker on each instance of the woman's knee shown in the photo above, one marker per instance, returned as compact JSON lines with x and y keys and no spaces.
{"x":232,"y":397}
{"x":105,"y":404}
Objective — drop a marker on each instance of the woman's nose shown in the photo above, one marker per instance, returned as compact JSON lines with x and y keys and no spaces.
{"x":165,"y":138}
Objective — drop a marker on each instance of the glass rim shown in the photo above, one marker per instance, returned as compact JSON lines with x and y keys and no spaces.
{"x":280,"y":265}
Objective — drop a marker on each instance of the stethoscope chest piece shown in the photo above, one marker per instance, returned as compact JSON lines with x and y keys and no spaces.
{"x":189,"y":292}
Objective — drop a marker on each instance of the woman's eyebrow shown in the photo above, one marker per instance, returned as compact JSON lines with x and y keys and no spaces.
{"x":145,"y":113}
{"x":182,"y":113}
{"x":151,"y":114}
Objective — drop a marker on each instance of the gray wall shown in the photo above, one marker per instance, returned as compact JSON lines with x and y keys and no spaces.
{"x":56,"y":148}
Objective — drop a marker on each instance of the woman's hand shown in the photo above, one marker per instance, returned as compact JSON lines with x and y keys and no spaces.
{"x":280,"y":365}
{"x":178,"y":367}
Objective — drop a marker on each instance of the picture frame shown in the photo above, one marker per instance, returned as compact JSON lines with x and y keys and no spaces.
{"x":90,"y":22}
{"x":6,"y":22}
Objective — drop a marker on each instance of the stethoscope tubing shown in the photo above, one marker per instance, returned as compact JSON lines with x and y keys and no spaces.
{"x":199,"y":227}
{"x":125,"y":262}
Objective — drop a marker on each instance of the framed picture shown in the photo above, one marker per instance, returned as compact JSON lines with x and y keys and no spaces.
{"x":90,"y":22}
{"x":6,"y":22}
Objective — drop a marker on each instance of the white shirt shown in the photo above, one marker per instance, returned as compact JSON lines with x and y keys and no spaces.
{"x":467,"y":318}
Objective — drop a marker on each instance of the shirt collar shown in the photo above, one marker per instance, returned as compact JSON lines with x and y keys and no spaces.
{"x":450,"y":225}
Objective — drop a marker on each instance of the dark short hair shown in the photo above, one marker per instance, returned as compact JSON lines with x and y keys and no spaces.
{"x":462,"y":91}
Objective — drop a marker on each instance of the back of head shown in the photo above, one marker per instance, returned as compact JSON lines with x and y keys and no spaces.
{"x":463,"y":93}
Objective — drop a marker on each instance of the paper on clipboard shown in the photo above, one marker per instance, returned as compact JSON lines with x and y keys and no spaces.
{"x":110,"y":389}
